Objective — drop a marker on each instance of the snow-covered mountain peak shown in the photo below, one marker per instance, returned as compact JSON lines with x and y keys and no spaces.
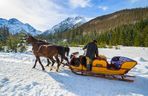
{"x":67,"y":24}
{"x":15,"y":26}
{"x":74,"y":20}
{"x":14,"y":21}
{"x":2,"y":21}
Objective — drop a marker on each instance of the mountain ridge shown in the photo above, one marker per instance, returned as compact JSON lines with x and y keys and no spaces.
{"x":15,"y":26}
{"x":66,"y":24}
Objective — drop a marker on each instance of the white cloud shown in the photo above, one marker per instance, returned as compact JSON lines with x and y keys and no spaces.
{"x":103,"y":7}
{"x":42,"y":14}
{"x":79,"y":3}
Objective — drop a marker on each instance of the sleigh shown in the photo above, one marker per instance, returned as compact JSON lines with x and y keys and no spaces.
{"x":101,"y":67}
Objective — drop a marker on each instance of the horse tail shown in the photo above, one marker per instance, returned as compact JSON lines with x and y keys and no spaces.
{"x":67,"y":51}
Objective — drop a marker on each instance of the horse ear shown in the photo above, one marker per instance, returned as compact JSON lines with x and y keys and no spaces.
{"x":30,"y":36}
{"x":27,"y":35}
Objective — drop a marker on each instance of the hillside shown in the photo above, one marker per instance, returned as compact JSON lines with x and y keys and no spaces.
{"x":111,"y":29}
{"x":110,"y":21}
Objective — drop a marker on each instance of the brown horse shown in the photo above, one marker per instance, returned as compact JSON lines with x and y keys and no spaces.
{"x":41,"y":49}
{"x":63,"y":52}
{"x":45,"y":43}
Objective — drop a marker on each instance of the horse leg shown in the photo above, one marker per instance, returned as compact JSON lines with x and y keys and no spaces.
{"x":53,"y":61}
{"x":40,"y":63}
{"x":64,"y":57}
{"x":35,"y":63}
{"x":48,"y":62}
{"x":62,"y":61}
{"x":52,"y":64}
{"x":58,"y":61}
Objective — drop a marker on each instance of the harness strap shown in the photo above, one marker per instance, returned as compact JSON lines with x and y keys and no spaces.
{"x":40,"y":47}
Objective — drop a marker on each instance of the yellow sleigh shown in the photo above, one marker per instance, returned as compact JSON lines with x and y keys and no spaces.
{"x":101,"y":68}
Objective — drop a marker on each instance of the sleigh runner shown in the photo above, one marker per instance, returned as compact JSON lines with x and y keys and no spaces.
{"x":101,"y":68}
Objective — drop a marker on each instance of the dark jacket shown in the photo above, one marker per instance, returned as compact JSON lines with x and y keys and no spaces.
{"x":92,"y":50}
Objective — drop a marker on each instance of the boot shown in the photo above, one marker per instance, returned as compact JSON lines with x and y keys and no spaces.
{"x":88,"y":67}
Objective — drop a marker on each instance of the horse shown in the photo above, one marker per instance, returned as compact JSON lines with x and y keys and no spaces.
{"x":45,"y":43}
{"x":63,"y":52}
{"x":41,"y":49}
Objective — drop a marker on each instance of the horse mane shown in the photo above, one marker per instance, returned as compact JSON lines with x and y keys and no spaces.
{"x":34,"y":39}
{"x":43,"y":42}
{"x":38,"y":41}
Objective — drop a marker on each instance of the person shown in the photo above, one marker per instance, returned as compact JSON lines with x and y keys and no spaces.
{"x":91,"y":53}
{"x":117,"y":61}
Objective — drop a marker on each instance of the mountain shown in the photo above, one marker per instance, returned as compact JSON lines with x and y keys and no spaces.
{"x":113,"y":20}
{"x":127,"y":27}
{"x":15,"y":26}
{"x":108,"y":22}
{"x":66,"y":24}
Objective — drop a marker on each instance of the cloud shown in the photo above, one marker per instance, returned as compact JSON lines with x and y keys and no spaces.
{"x":103,"y":7}
{"x":42,"y":14}
{"x":79,"y":3}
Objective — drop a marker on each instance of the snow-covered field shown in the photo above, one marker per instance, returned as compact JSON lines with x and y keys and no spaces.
{"x":17,"y":78}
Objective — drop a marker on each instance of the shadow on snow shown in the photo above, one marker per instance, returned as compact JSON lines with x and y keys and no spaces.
{"x":93,"y":86}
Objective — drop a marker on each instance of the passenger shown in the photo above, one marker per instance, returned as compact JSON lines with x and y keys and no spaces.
{"x":91,"y":53}
{"x":116,"y":62}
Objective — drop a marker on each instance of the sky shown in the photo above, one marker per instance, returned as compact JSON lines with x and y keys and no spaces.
{"x":43,"y":14}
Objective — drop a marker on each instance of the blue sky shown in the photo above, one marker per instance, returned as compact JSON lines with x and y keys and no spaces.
{"x":43,"y":14}
{"x":95,"y":8}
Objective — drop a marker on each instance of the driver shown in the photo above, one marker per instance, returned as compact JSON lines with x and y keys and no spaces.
{"x":91,"y":53}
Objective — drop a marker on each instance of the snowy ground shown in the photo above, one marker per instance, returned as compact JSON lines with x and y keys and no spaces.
{"x":17,"y":78}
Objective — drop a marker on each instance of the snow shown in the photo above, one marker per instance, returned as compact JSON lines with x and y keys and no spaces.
{"x":17,"y":78}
